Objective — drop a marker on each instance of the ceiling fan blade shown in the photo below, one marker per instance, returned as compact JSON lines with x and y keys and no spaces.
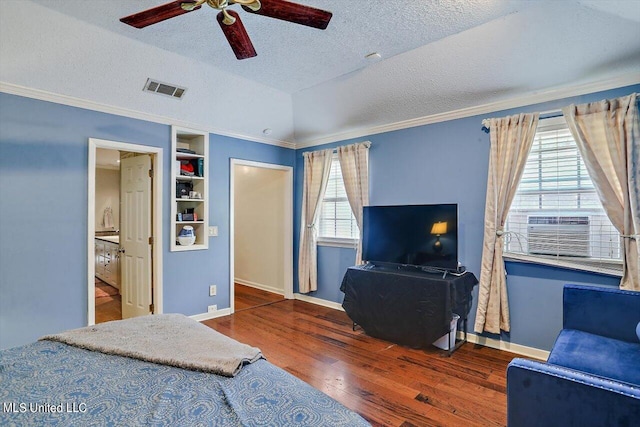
{"x":237,"y":36}
{"x":157,"y":14}
{"x":293,"y":12}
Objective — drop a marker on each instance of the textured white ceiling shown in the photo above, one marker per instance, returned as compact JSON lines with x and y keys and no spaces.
{"x":293,"y":57}
{"x":307,"y":84}
{"x":541,"y":48}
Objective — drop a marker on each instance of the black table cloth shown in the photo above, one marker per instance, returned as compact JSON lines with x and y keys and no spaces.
{"x":411,"y":308}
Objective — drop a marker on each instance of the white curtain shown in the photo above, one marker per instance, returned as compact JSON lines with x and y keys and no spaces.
{"x":608,"y":136}
{"x":511,"y":140}
{"x":354,"y":162}
{"x":317,"y":165}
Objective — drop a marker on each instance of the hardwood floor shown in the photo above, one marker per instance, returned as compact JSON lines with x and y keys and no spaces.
{"x":387,"y":384}
{"x":108,"y":303}
{"x":248,"y":297}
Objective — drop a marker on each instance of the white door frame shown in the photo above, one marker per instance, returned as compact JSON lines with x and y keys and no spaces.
{"x":288,"y":230}
{"x":156,"y":226}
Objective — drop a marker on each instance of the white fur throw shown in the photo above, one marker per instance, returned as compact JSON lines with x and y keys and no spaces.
{"x":169,"y":339}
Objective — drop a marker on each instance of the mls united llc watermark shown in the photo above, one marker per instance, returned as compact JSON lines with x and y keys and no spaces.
{"x":34,"y":407}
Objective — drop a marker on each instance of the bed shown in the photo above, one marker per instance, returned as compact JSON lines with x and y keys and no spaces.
{"x":81,"y":378}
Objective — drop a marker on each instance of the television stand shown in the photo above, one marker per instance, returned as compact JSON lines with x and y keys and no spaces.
{"x":412,"y":308}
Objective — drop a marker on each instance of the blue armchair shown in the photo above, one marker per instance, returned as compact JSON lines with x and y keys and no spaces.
{"x":592,"y":376}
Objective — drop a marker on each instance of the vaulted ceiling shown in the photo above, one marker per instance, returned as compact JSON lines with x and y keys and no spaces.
{"x":308,"y":85}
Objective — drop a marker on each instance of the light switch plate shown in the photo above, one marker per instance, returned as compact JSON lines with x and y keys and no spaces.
{"x":213,"y":230}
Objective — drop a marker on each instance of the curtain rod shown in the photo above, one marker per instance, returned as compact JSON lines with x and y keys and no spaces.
{"x":548,"y":114}
{"x":335,"y":150}
{"x":366,"y":144}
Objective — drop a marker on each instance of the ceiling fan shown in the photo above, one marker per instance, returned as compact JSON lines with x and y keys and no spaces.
{"x":229,"y":20}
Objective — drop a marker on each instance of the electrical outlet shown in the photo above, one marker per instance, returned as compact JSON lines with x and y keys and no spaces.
{"x":212,"y":290}
{"x":213,"y":230}
{"x":212,"y":308}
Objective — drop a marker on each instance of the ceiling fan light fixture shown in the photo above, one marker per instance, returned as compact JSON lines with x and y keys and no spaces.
{"x":228,"y":19}
{"x":254,"y":5}
{"x":190,"y":6}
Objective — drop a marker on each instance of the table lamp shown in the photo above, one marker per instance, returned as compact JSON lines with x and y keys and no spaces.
{"x":438,"y":228}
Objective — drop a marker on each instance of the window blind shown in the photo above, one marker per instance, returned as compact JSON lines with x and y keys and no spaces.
{"x":336,"y":218}
{"x":556,"y":215}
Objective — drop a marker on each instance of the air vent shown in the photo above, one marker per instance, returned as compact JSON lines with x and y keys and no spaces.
{"x":164,"y":89}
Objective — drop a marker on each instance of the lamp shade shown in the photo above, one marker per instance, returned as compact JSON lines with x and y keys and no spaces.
{"x":439,"y":227}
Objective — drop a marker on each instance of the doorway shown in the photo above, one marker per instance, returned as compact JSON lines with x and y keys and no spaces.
{"x":103,"y":220}
{"x":108,"y":300}
{"x":261,"y":233}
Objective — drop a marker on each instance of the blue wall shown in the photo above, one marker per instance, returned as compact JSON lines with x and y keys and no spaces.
{"x":43,"y":215}
{"x":447,"y":162}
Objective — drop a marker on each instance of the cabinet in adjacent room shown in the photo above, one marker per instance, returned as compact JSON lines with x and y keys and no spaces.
{"x":107,"y":266}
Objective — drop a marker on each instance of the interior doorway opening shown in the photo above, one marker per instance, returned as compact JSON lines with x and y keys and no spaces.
{"x":124,"y":230}
{"x":108,"y":299}
{"x":261,"y":217}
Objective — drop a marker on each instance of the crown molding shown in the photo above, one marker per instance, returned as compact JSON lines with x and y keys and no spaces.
{"x":71,"y":101}
{"x":521,"y":101}
{"x":532,"y":98}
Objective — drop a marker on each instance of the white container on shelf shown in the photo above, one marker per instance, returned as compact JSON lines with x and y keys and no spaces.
{"x":451,"y":338}
{"x":186,"y":236}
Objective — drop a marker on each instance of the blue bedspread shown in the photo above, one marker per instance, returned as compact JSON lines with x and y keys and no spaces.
{"x":53,"y":384}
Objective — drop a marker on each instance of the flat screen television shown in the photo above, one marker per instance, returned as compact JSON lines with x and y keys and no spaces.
{"x":423,"y":236}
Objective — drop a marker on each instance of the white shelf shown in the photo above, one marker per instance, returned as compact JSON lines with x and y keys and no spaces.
{"x":193,"y":247}
{"x":188,"y":178}
{"x":185,"y":156}
{"x":199,"y":142}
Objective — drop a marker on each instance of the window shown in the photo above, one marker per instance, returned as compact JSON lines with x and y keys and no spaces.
{"x":337,"y":223}
{"x":556,"y":216}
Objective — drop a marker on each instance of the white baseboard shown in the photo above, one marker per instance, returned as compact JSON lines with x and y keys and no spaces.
{"x":207,"y":316}
{"x":523,"y":350}
{"x":259,"y":286}
{"x":319,"y":301}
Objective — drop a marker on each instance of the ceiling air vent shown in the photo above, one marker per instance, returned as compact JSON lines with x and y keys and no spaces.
{"x":164,"y":89}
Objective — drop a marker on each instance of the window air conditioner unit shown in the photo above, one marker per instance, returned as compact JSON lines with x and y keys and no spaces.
{"x":558,"y":235}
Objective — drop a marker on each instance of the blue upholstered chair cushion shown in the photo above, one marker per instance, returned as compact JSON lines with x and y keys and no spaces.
{"x":597,"y":355}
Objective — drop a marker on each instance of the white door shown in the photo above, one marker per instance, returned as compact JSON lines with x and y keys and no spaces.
{"x":135,"y":233}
